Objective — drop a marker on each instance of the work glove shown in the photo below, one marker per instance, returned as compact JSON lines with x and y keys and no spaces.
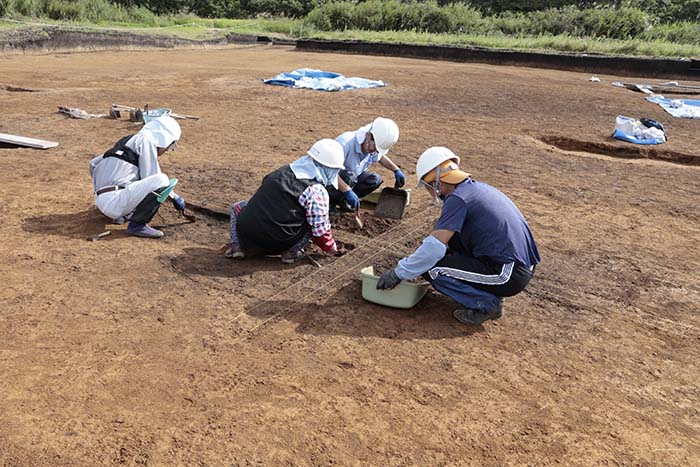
{"x":400,"y":178}
{"x":388,"y":280}
{"x":352,"y":199}
{"x":179,"y":203}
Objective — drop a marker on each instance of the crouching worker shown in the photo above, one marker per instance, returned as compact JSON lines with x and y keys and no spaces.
{"x":481,"y":248}
{"x":127,"y":178}
{"x":361,"y":149}
{"x":290,"y":208}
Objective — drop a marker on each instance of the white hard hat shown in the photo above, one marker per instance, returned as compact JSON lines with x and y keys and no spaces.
{"x":328,"y":152}
{"x":385,"y":132}
{"x":431,"y":159}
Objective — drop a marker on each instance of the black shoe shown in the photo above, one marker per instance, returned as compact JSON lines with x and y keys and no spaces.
{"x":288,"y":257}
{"x":476,"y":317}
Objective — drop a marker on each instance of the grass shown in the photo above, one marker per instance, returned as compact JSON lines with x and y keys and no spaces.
{"x":190,"y":27}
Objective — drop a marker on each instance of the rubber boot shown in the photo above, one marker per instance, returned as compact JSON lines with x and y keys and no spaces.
{"x":138,"y":229}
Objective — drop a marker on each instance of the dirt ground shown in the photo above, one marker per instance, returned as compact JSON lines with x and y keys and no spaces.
{"x":131,"y":351}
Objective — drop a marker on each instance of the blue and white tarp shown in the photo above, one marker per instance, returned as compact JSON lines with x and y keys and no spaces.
{"x":306,"y":78}
{"x":683,"y":108}
{"x":634,"y":131}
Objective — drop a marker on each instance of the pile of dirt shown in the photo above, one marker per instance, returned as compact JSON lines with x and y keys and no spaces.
{"x":371,"y":225}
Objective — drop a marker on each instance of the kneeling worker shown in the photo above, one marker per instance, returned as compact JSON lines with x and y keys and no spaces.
{"x":481,"y":248}
{"x":290,"y":208}
{"x":127,"y":178}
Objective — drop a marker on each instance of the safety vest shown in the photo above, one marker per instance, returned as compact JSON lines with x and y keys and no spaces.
{"x":273,"y":219}
{"x":121,"y":151}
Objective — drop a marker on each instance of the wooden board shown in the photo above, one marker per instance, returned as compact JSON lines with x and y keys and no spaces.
{"x":29,"y":142}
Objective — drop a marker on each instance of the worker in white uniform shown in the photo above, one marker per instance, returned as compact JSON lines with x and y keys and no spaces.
{"x":127,"y":178}
{"x":363,"y":147}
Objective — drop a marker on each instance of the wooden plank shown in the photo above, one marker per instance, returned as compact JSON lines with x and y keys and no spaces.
{"x":29,"y":142}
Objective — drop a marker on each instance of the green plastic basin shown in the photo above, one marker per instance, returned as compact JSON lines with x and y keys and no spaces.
{"x":404,"y":295}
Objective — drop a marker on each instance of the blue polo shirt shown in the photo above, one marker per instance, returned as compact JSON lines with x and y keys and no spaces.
{"x":488,"y":224}
{"x":355,"y":161}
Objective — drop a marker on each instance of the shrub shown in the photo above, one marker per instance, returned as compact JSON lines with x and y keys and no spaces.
{"x":101,"y":10}
{"x":436,"y":20}
{"x":619,"y":23}
{"x":26,"y":7}
{"x":63,"y":10}
{"x":467,"y":19}
{"x":687,"y":32}
{"x":216,"y":8}
{"x":142,"y":15}
{"x":336,"y":16}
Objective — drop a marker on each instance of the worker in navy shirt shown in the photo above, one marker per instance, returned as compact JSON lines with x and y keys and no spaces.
{"x":481,"y":248}
{"x":362,"y":148}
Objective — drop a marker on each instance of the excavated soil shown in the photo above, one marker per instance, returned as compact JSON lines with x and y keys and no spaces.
{"x":129,"y":351}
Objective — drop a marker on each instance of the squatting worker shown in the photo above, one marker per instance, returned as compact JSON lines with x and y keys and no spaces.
{"x":362,"y":148}
{"x":290,"y":208}
{"x":127,"y":177}
{"x":481,"y":248}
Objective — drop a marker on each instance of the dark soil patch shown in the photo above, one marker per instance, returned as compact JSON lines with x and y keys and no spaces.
{"x":372,"y":226}
{"x":16,"y":89}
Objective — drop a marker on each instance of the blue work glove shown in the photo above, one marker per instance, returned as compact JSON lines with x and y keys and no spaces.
{"x":388,"y":280}
{"x":352,"y":199}
{"x":400,"y":178}
{"x":179,"y":203}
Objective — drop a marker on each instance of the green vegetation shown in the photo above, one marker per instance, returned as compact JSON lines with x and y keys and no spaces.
{"x":595,"y":23}
{"x":632,"y":27}
{"x":542,"y":43}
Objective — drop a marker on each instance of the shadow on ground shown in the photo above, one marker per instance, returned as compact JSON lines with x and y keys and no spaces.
{"x":345,"y":313}
{"x":79,"y":225}
{"x":211,"y":262}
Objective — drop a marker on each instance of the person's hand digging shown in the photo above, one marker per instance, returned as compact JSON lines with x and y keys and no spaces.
{"x":352,"y":199}
{"x":179,"y":203}
{"x":388,"y":280}
{"x":400,"y":178}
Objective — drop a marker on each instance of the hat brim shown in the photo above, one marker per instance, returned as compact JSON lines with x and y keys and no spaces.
{"x":454,"y":177}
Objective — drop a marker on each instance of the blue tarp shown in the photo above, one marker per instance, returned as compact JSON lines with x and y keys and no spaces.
{"x":683,"y":108}
{"x":634,"y":131}
{"x":320,"y":80}
{"x":617,"y":134}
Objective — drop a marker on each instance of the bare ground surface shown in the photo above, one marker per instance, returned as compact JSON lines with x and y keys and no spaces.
{"x":128,"y":351}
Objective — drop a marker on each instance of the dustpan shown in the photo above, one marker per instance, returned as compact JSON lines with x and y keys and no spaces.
{"x":374,"y":197}
{"x":392,"y":203}
{"x":167,"y":190}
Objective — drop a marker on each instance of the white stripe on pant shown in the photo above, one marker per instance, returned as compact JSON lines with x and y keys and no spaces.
{"x":487,"y":279}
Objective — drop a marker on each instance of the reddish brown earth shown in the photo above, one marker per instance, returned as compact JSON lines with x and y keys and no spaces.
{"x":142,"y":352}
